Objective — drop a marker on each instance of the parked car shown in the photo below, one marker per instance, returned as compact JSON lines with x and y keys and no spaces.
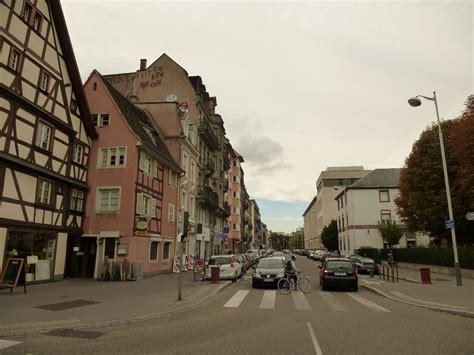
{"x":230,"y":268}
{"x":329,"y":254}
{"x":247,"y":261}
{"x":241,"y":259}
{"x":353,"y":257}
{"x":268,"y":272}
{"x":319,"y":254}
{"x":286,"y":251}
{"x":277,"y":253}
{"x":365,"y":265}
{"x":338,"y":272}
{"x":310,"y":254}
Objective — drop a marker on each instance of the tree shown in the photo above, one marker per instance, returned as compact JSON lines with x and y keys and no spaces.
{"x":297,"y":239}
{"x":329,"y":236}
{"x":422,"y":202}
{"x":391,"y":233}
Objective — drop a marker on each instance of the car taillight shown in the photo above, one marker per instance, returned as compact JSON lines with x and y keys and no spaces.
{"x":354,"y":270}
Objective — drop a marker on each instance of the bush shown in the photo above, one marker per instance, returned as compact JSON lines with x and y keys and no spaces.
{"x":436,"y":256}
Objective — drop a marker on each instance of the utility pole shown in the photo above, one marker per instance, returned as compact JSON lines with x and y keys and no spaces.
{"x":184,"y":236}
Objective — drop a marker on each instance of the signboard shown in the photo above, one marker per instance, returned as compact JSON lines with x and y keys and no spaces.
{"x":142,"y":234}
{"x":470,"y":216}
{"x":199,"y":268}
{"x":142,"y":225}
{"x":449,"y":224}
{"x":11,"y":275}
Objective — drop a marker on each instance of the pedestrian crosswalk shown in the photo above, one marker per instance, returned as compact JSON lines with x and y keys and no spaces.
{"x":271,"y":299}
{"x":4,"y":344}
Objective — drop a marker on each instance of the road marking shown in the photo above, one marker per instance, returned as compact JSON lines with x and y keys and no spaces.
{"x":268,"y":300}
{"x":237,"y":299}
{"x":317,"y":348}
{"x":8,"y":343}
{"x":402,"y":295}
{"x":367,"y":303}
{"x":300,"y":301}
{"x":333,"y":302}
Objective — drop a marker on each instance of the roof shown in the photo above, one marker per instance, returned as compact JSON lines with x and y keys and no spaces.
{"x":310,"y":204}
{"x":137,"y":119}
{"x":349,"y":172}
{"x":71,"y":65}
{"x":379,"y":178}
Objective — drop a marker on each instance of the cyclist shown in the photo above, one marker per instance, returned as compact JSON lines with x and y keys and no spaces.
{"x":290,"y":271}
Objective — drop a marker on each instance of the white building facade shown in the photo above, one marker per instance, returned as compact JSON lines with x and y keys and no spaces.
{"x":367,"y":204}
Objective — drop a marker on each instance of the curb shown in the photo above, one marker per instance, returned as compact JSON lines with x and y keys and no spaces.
{"x":121,"y":321}
{"x":465,"y":314}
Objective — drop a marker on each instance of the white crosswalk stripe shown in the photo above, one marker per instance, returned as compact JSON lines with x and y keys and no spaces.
{"x":301,"y":303}
{"x":237,"y":299}
{"x":367,"y":303}
{"x":4,"y":344}
{"x":333,"y":302}
{"x":268,"y":300}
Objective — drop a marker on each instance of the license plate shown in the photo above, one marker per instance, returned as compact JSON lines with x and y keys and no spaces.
{"x":340,"y":274}
{"x":267,"y":280}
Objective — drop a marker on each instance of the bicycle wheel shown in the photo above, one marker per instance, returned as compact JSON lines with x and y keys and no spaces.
{"x":304,"y":285}
{"x":284,"y":286}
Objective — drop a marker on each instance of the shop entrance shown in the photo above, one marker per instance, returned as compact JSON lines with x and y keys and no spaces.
{"x":81,"y":258}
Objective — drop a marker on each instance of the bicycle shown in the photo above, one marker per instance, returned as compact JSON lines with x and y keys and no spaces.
{"x":286,"y":285}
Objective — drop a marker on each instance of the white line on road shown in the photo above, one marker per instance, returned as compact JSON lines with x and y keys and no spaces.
{"x":8,"y":343}
{"x":333,"y":302}
{"x":300,"y":301}
{"x":317,"y":348}
{"x":268,"y":300}
{"x":402,"y":295}
{"x":367,"y":303}
{"x":237,"y":299}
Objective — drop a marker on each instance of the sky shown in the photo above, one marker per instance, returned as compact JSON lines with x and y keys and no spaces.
{"x":300,"y":85}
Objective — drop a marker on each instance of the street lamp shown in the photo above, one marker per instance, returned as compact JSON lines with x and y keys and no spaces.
{"x":415,"y":102}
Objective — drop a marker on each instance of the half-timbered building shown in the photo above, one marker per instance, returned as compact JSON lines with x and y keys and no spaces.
{"x":131,"y":212}
{"x":45,"y":138}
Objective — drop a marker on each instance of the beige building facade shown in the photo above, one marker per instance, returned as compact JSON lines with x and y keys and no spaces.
{"x":311,"y":237}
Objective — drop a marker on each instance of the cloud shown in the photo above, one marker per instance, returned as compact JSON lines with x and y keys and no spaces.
{"x":260,"y":149}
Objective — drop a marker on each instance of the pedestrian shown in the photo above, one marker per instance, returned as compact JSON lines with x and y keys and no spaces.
{"x":390,"y":258}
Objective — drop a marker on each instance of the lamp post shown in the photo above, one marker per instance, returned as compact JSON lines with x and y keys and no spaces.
{"x":415,"y":102}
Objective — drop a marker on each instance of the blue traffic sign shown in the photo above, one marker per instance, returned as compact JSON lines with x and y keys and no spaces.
{"x":449,"y":224}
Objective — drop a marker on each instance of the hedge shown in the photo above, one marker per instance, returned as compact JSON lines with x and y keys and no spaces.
{"x":427,"y":256}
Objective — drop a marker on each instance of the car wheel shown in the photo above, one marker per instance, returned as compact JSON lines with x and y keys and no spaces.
{"x":356,"y":288}
{"x":254,"y":284}
{"x":323,"y":286}
{"x":235,"y":277}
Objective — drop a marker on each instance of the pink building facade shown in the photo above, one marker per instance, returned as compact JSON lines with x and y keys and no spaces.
{"x":131,"y":211}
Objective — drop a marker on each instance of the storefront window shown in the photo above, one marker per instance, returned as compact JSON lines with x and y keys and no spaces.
{"x":38,"y":251}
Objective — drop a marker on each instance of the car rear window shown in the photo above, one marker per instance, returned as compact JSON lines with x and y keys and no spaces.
{"x":219,"y":261}
{"x":338,"y":264}
{"x":270,"y":263}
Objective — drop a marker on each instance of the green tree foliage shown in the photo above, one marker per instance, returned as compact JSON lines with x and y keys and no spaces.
{"x":391,"y":233}
{"x":329,"y":236}
{"x":422,"y":201}
{"x":279,"y":241}
{"x":297,"y":239}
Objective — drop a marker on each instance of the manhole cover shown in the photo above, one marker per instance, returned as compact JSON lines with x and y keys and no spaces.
{"x":66,"y":305}
{"x":71,"y":333}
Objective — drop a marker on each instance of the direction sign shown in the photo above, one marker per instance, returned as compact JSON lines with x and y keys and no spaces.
{"x":449,"y":224}
{"x":470,"y":216}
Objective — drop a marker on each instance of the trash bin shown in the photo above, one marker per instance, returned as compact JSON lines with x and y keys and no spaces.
{"x":425,"y":275}
{"x":215,"y":271}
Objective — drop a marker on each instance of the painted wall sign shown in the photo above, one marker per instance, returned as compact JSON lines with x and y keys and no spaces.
{"x":142,"y":225}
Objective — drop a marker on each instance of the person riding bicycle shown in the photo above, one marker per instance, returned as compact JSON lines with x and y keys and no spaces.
{"x":291,"y":270}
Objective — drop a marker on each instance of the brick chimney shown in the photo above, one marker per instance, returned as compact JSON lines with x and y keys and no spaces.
{"x":142,"y":64}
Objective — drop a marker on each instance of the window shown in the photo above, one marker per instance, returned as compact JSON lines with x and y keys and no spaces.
{"x":108,"y":199}
{"x":342,"y":203}
{"x":44,"y":192}
{"x":147,"y":164}
{"x":193,"y":171}
{"x":44,"y":81}
{"x":385,"y":217}
{"x":77,"y":200}
{"x":185,"y":163}
{"x":192,"y":206}
{"x":166,"y":250}
{"x":184,"y":202}
{"x":94,"y":87}
{"x":78,"y":153}
{"x":236,"y":194}
{"x":171,"y":213}
{"x":384,"y":196}
{"x":154,"y":251}
{"x":43,"y":135}
{"x":26,"y":13}
{"x":37,"y":19}
{"x":74,"y":107}
{"x":14,"y":60}
{"x":113,"y":157}
{"x":172,"y":178}
{"x":101,"y":120}
{"x":146,"y":205}
{"x":236,"y":226}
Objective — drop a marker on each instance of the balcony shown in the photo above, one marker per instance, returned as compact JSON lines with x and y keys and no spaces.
{"x":207,"y":197}
{"x":208,"y":136}
{"x":209,"y":168}
{"x":226,"y":185}
{"x":246,"y":204}
{"x":226,"y":162}
{"x":226,"y":210}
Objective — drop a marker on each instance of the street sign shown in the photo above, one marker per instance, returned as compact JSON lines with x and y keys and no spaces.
{"x":449,"y":224}
{"x":470,"y":216}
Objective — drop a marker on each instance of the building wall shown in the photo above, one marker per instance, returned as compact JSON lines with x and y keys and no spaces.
{"x":311,"y":236}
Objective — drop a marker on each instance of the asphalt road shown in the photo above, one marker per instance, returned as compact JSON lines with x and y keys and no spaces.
{"x":242,"y":320}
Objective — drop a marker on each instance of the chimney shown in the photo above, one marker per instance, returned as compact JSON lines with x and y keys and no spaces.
{"x":142,"y":64}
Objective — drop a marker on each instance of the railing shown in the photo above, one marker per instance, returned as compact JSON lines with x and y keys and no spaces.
{"x":387,"y":271}
{"x":207,"y":134}
{"x":207,"y":196}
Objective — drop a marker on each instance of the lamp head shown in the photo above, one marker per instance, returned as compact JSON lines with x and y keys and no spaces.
{"x":414,"y":101}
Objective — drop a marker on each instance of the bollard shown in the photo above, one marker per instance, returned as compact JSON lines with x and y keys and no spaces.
{"x":425,"y":275}
{"x":215,"y":273}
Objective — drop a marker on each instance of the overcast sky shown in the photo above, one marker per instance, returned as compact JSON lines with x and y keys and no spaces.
{"x":300,"y":85}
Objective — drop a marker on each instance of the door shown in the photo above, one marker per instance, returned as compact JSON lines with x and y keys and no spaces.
{"x":109,"y":248}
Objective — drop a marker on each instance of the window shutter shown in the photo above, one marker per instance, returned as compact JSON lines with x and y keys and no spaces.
{"x":155,"y":168}
{"x":152,"y":207}
{"x":142,"y":161}
{"x":139,"y":203}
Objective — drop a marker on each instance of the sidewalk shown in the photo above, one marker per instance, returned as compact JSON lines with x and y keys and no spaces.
{"x":442,"y":294}
{"x":86,"y":302}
